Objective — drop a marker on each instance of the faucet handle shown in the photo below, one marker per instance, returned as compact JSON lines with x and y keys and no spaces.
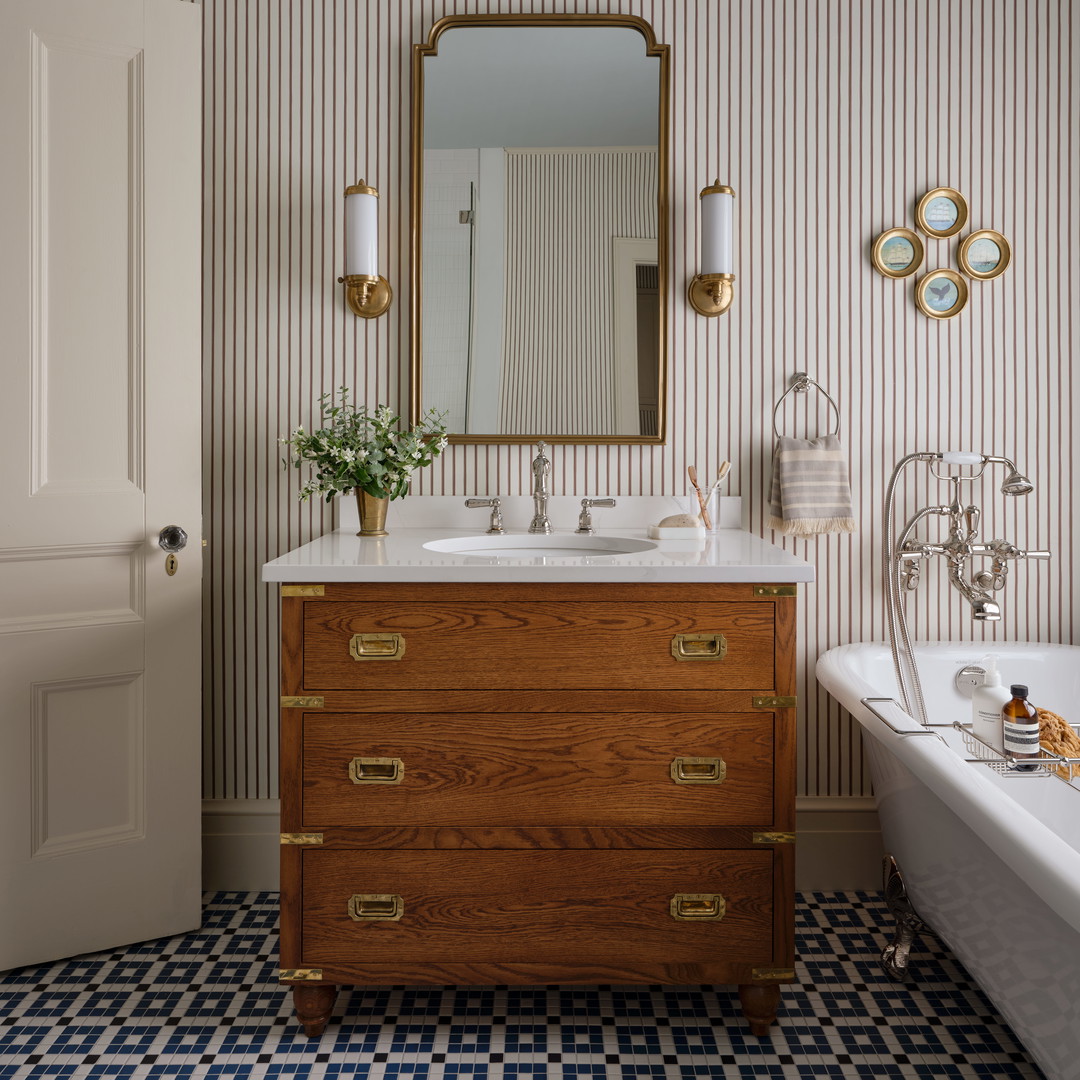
{"x":585,"y":525}
{"x":914,"y":550}
{"x":1002,"y":549}
{"x":496,"y":525}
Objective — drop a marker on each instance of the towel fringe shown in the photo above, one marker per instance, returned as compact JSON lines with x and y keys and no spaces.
{"x":812,"y":526}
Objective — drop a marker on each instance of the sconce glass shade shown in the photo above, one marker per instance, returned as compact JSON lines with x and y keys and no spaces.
{"x":367,"y":294}
{"x":717,"y":211}
{"x":361,"y":229}
{"x":712,"y":290}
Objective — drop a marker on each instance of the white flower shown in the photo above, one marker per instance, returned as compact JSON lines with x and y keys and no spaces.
{"x":362,"y":447}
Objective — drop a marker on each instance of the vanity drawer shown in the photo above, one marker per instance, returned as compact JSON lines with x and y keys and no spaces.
{"x":429,"y":645}
{"x":541,"y":770}
{"x":587,"y":907}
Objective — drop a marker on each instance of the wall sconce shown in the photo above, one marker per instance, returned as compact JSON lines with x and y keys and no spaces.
{"x":712,"y":291}
{"x":368,"y":295}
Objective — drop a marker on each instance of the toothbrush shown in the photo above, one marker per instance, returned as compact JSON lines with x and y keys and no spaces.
{"x":691,"y":471}
{"x":725,"y":468}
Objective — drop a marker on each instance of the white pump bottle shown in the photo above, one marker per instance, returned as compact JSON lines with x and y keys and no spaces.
{"x":986,"y":704}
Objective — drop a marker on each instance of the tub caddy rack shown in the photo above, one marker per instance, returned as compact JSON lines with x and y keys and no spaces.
{"x":1046,"y":764}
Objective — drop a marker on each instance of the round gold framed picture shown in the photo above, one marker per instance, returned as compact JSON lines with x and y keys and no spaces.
{"x":942,"y":212}
{"x":897,"y":253}
{"x":984,"y":254}
{"x":941,"y":294}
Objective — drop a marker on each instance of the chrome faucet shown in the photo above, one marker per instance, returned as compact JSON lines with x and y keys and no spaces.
{"x":960,"y":546}
{"x":541,"y":469}
{"x":905,"y":555}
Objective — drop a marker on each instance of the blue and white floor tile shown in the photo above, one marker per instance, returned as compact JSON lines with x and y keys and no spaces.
{"x":207,"y":1004}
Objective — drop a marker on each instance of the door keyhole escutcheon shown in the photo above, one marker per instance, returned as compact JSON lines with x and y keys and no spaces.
{"x":172,"y":539}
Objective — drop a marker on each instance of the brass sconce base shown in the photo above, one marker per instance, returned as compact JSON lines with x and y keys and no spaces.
{"x":367,"y":295}
{"x":711,"y":294}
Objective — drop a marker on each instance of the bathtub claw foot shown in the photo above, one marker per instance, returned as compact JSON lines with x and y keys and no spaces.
{"x":895,"y":955}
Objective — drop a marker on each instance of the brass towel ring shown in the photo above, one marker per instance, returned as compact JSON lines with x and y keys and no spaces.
{"x":801,"y":383}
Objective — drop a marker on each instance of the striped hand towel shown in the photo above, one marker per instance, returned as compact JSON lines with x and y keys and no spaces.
{"x":810,"y":489}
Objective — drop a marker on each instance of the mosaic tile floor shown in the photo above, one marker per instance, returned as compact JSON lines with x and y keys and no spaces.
{"x":207,"y":1005}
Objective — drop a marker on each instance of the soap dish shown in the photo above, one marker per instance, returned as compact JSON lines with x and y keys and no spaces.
{"x":676,"y":532}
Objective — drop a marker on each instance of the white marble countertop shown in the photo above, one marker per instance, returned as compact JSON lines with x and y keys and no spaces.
{"x":729,"y":554}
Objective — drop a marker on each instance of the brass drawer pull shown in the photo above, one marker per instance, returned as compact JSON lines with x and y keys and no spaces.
{"x":691,"y":907}
{"x":698,"y":770}
{"x":370,"y":907}
{"x":376,"y":770}
{"x":377,"y":646}
{"x":699,"y":646}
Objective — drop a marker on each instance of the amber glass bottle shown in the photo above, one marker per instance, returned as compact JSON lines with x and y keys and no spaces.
{"x":1020,"y":727}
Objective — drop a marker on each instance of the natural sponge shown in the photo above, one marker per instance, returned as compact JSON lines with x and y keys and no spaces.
{"x":1059,"y":738}
{"x":680,"y":521}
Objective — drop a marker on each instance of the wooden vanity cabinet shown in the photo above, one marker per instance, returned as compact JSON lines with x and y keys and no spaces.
{"x":537,"y":783}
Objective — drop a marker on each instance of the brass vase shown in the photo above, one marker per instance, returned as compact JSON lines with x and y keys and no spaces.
{"x":372,"y":513}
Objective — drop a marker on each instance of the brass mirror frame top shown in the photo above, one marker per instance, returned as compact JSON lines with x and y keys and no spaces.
{"x":431,"y":48}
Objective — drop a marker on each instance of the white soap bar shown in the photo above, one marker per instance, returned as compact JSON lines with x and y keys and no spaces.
{"x":680,"y":521}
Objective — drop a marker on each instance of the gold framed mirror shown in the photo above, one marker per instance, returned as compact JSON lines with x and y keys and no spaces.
{"x":540,"y":228}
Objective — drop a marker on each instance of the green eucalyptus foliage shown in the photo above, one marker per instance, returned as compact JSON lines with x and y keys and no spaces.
{"x":361,"y":449}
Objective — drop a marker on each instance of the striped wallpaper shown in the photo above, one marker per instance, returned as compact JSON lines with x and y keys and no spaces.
{"x":559,"y":355}
{"x":829,"y":118}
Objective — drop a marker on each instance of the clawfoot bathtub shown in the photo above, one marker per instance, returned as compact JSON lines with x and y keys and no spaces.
{"x":990,"y":857}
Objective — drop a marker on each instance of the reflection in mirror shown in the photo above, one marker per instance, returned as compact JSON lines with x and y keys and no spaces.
{"x":539,"y":228}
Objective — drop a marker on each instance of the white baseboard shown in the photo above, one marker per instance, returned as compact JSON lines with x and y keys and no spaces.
{"x":838,"y":845}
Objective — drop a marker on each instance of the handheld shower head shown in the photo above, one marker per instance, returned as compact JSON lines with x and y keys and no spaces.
{"x":1016,"y":484}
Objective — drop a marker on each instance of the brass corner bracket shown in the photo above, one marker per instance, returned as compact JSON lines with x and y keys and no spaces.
{"x":776,"y":590}
{"x":303,"y":590}
{"x":773,"y":974}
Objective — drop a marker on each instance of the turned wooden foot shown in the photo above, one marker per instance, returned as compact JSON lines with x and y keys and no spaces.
{"x":314,"y":1005}
{"x":759,"y":1004}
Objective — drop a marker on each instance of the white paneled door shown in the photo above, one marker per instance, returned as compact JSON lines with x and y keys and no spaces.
{"x":99,"y":420}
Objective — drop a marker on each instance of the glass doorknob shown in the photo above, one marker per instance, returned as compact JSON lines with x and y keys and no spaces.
{"x":172,"y":539}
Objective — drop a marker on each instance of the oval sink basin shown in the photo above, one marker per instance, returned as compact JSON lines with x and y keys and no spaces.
{"x":527,"y":546}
